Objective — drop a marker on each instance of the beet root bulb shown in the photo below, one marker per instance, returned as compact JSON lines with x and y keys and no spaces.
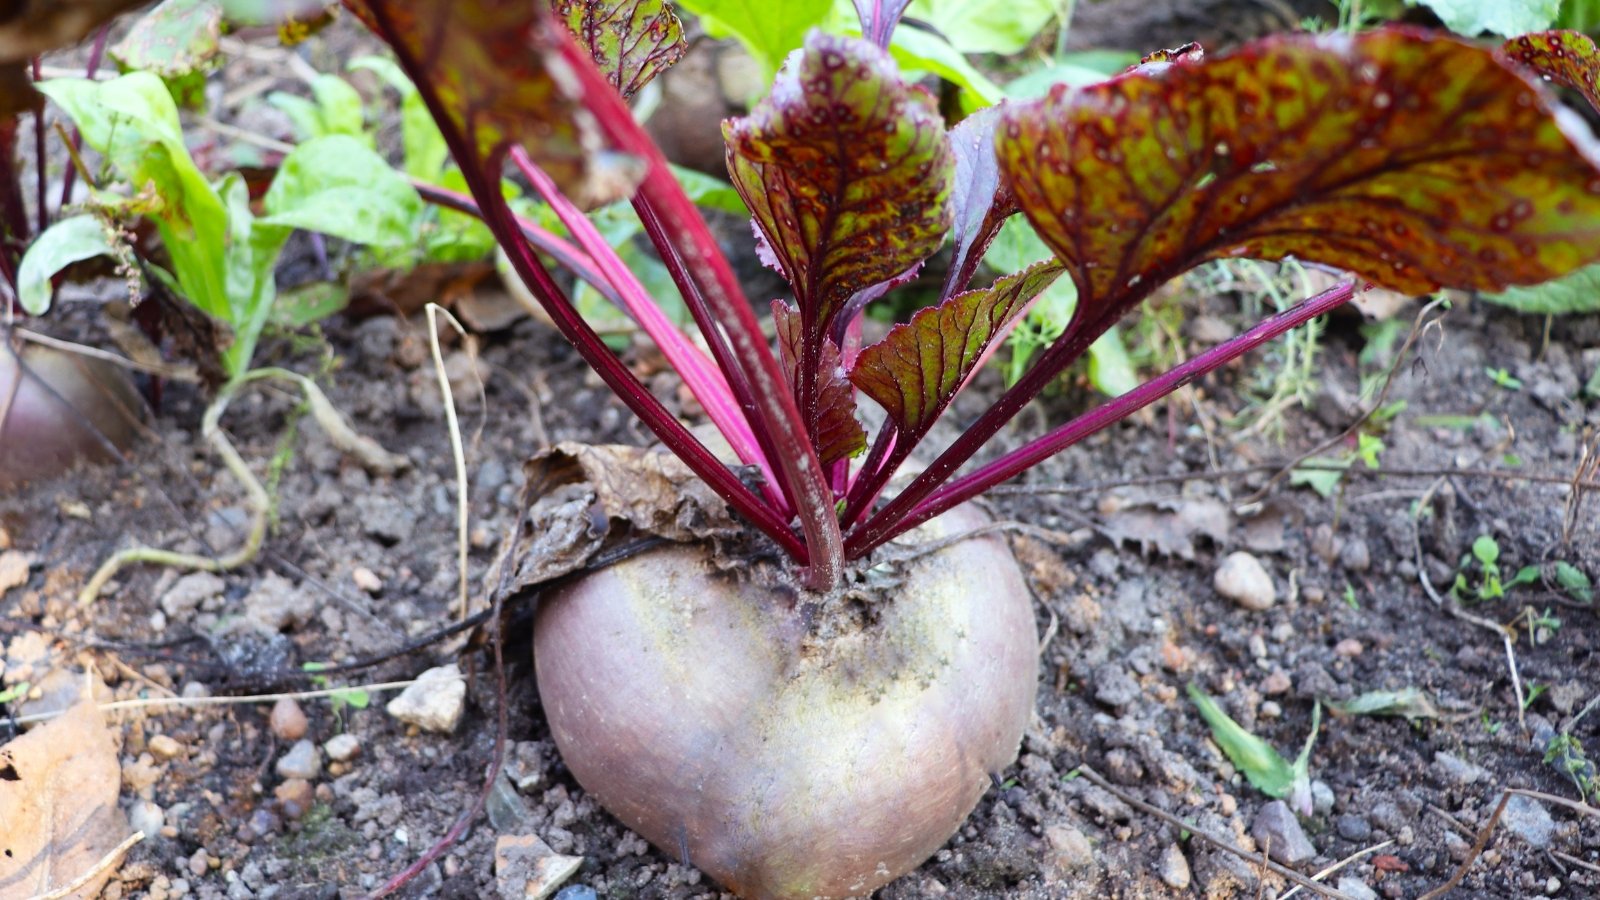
{"x":786,"y":750}
{"x":59,"y":408}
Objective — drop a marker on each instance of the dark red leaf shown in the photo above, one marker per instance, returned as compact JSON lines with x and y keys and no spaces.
{"x":631,"y":41}
{"x":980,"y":201}
{"x":915,"y":370}
{"x":846,"y":170}
{"x":1416,"y":161}
{"x":878,"y":18}
{"x":836,"y":433}
{"x":1567,"y":58}
{"x":493,"y":65}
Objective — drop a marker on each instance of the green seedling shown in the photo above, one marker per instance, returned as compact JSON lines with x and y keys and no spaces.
{"x":348,"y":698}
{"x":1574,"y":582}
{"x":1486,"y":554}
{"x":1504,"y":379}
{"x":1350,"y":598}
{"x":1262,"y":765}
{"x":1535,"y":691}
{"x":1324,"y":473}
{"x":1541,"y":626}
{"x":1566,"y":753}
{"x":15,"y":692}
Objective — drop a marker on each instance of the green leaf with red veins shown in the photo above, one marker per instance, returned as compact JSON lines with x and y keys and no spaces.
{"x":631,"y":41}
{"x":836,"y":433}
{"x":495,"y":68}
{"x":980,"y":202}
{"x":846,"y":171}
{"x":1415,"y":161}
{"x":1567,"y":58}
{"x":917,"y":368}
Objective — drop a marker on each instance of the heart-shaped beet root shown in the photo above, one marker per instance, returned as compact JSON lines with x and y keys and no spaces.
{"x":790,"y":750}
{"x":57,"y":409}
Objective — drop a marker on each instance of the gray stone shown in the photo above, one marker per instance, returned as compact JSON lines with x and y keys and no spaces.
{"x":1387,"y":816}
{"x":183,"y":599}
{"x":1527,"y":818}
{"x":302,"y":761}
{"x":1355,"y":555}
{"x":526,"y":868}
{"x":1174,"y":868}
{"x":147,"y":817}
{"x":434,"y":702}
{"x":1276,"y":828}
{"x":1321,"y":798}
{"x":577,"y":892}
{"x":1242,"y":579}
{"x":277,"y":604}
{"x":342,"y":747}
{"x":1352,"y":827}
{"x":1071,"y":850}
{"x":1355,"y":889}
{"x":1453,"y":770}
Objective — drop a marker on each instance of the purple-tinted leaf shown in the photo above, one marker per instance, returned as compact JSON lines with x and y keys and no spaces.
{"x":846,"y":170}
{"x":836,"y":433}
{"x":631,"y":41}
{"x":851,"y":311}
{"x":1415,"y":161}
{"x":1567,"y":58}
{"x":878,"y":18}
{"x":915,"y":370}
{"x":979,"y":200}
{"x":493,"y":66}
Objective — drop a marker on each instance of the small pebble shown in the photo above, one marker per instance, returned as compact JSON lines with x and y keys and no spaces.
{"x":1276,"y":828}
{"x":1353,"y":828}
{"x":1270,"y":709}
{"x":288,"y":721}
{"x":295,"y":796}
{"x":1276,"y":683}
{"x":342,"y":747}
{"x":1350,"y":648}
{"x":1242,"y":579}
{"x":366,"y":580}
{"x":1174,"y":868}
{"x":302,"y":761}
{"x":1355,"y":889}
{"x":147,"y":817}
{"x":434,"y":702}
{"x":198,"y":864}
{"x":1321,"y":798}
{"x":164,"y":747}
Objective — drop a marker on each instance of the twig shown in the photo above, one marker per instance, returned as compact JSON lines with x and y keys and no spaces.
{"x":1573,"y":860}
{"x":1488,"y":831}
{"x":456,"y":451}
{"x":169,"y":372}
{"x":155,"y":702}
{"x":1337,"y":866}
{"x":1095,"y":778}
{"x":106,"y":862}
{"x":1587,"y":708}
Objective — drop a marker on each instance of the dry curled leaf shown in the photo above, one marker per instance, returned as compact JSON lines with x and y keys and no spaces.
{"x":58,"y":805}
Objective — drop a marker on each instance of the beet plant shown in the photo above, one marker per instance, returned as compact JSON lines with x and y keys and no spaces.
{"x":816,"y":729}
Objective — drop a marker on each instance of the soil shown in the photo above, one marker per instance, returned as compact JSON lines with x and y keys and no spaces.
{"x":1124,"y":534}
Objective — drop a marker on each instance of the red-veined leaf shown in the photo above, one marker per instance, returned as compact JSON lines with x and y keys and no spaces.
{"x":631,"y":41}
{"x":496,"y":70}
{"x":835,"y":432}
{"x":1567,"y":58}
{"x":1415,"y":161}
{"x":915,"y":370}
{"x":846,"y":171}
{"x":980,"y":202}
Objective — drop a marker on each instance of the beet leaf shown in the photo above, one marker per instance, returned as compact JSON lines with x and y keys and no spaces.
{"x":631,"y":41}
{"x":1567,"y":58}
{"x":838,"y":434}
{"x":878,"y":19}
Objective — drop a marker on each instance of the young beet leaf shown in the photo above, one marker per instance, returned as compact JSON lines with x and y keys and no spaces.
{"x":630,"y":42}
{"x":1417,"y":162}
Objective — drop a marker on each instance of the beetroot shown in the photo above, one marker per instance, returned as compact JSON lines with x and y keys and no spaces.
{"x":787,"y":750}
{"x":59,"y":408}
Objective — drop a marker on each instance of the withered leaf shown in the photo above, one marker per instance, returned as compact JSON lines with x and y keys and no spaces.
{"x":632,"y":41}
{"x":1415,"y":161}
{"x":917,"y":368}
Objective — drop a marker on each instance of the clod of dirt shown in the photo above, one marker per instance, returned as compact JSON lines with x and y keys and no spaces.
{"x":190,"y":593}
{"x":277,"y":604}
{"x":14,"y":565}
{"x":58,"y":805}
{"x":1242,"y":579}
{"x":434,"y":702}
{"x":1174,"y":868}
{"x":1527,"y":818}
{"x":288,"y":720}
{"x":1276,"y":829}
{"x":525,"y":868}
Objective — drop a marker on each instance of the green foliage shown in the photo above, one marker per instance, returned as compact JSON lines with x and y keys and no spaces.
{"x":1574,"y":582}
{"x":1506,"y":18}
{"x":68,"y":241}
{"x":989,"y":26}
{"x":179,"y":41}
{"x":335,"y":108}
{"x":1486,"y":554}
{"x":1262,"y":765}
{"x":768,"y":30}
{"x":1577,"y":292}
{"x":15,"y":692}
{"x":222,"y":253}
{"x":1503,"y":378}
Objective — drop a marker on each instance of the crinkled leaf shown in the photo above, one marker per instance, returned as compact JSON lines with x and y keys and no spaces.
{"x":632,"y":41}
{"x":496,"y":68}
{"x":846,"y":170}
{"x":768,"y":30}
{"x":836,"y":433}
{"x":179,"y":40}
{"x":980,"y":202}
{"x":1415,"y":161}
{"x":915,"y":370}
{"x":1575,"y":292}
{"x":1567,"y":58}
{"x":879,"y":17}
{"x":988,"y":26}
{"x":1574,"y":582}
{"x":1502,"y":17}
{"x":66,"y":242}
